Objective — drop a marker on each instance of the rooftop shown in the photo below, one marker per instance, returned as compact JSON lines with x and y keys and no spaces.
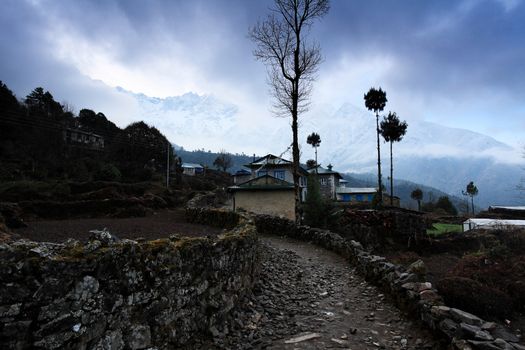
{"x":191,"y":165}
{"x":356,"y":190}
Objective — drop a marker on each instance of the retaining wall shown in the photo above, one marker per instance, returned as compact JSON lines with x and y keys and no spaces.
{"x":460,"y":329}
{"x":110,"y":294}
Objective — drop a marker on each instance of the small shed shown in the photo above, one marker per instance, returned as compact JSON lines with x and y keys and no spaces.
{"x":491,"y":224}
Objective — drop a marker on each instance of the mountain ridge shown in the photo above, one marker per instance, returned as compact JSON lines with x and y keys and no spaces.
{"x":432,"y":154}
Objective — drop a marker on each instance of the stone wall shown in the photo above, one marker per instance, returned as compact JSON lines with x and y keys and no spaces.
{"x":110,"y":294}
{"x":409,"y":290}
{"x":270,"y":202}
{"x":377,"y":229}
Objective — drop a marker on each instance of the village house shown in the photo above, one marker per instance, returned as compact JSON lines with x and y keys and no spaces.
{"x":329,"y":181}
{"x":84,"y":139}
{"x":265,"y":195}
{"x":363,"y":195}
{"x":267,"y":187}
{"x":355,"y":194}
{"x":192,"y":169}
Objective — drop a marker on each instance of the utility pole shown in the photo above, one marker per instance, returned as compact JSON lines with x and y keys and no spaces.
{"x":168,"y":168}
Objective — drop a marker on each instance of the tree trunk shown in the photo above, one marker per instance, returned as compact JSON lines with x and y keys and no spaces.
{"x":391,"y":177}
{"x":316,"y":164}
{"x":379,"y":183}
{"x":472,"y":202}
{"x":418,"y":205}
{"x":295,"y":154}
{"x":295,"y":112}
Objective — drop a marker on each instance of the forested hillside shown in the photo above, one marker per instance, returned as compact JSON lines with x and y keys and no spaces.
{"x":42,"y":139}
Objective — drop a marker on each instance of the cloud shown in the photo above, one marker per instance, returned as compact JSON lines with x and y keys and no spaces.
{"x":454,"y":62}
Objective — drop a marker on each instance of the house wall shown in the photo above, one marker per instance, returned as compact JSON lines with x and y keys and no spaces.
{"x":239,"y":179}
{"x":271,"y":171}
{"x":189,"y":171}
{"x":328,"y":188}
{"x":355,"y":197}
{"x":278,"y":203}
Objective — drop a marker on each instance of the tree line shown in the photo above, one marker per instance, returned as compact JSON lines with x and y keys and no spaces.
{"x":33,"y":143}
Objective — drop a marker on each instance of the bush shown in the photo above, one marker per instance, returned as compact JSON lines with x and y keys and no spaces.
{"x":472,"y":296}
{"x":108,"y":172}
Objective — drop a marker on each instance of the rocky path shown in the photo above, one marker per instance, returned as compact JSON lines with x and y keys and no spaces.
{"x":310,"y":298}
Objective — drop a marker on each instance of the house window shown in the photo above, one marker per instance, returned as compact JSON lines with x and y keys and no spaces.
{"x":370,"y":197}
{"x":324,"y":181}
{"x":262,"y":173}
{"x":359,"y":197}
{"x":302,"y":181}
{"x":279,"y":174}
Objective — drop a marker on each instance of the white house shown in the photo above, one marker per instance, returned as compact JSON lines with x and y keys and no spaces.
{"x":192,"y":169}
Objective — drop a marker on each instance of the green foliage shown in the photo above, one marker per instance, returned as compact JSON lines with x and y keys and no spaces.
{"x":472,"y":190}
{"x":375,"y":100}
{"x":43,"y":103}
{"x":311,"y":163}
{"x":442,"y":228}
{"x":316,"y":209}
{"x":97,"y":123}
{"x":141,"y":150}
{"x":314,"y":140}
{"x":223,"y":161}
{"x":108,"y":172}
{"x":392,"y":129}
{"x":8,"y":101}
{"x":417,"y":195}
{"x":445,"y":204}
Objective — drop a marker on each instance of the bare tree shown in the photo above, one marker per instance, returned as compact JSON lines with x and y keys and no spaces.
{"x":292,"y":62}
{"x":223,"y":160}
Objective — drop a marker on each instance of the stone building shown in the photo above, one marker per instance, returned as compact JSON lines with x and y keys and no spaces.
{"x":265,"y":195}
{"x":328,"y":181}
{"x":267,"y":187}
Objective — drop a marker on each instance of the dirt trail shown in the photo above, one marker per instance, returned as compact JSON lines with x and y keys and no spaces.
{"x":305,"y":291}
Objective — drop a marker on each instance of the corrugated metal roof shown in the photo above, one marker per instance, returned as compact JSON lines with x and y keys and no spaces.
{"x":269,"y":159}
{"x":357,"y":190}
{"x":508,"y":207}
{"x":191,"y":165}
{"x":324,"y":171}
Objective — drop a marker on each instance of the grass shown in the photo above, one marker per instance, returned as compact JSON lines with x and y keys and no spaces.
{"x":439,"y":229}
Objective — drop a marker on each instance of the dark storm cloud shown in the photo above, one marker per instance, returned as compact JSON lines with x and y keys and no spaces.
{"x":452,"y":51}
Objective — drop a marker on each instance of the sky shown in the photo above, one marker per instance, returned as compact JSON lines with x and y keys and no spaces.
{"x":459,"y":63}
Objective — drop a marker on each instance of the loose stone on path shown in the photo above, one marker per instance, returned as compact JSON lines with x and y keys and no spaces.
{"x":310,"y":298}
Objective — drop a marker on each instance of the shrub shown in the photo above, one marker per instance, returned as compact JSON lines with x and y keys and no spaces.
{"x":108,"y":172}
{"x":475,"y":297}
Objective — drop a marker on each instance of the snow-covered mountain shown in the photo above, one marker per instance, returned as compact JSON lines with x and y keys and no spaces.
{"x":187,"y":116}
{"x":432,"y":154}
{"x":438,"y":156}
